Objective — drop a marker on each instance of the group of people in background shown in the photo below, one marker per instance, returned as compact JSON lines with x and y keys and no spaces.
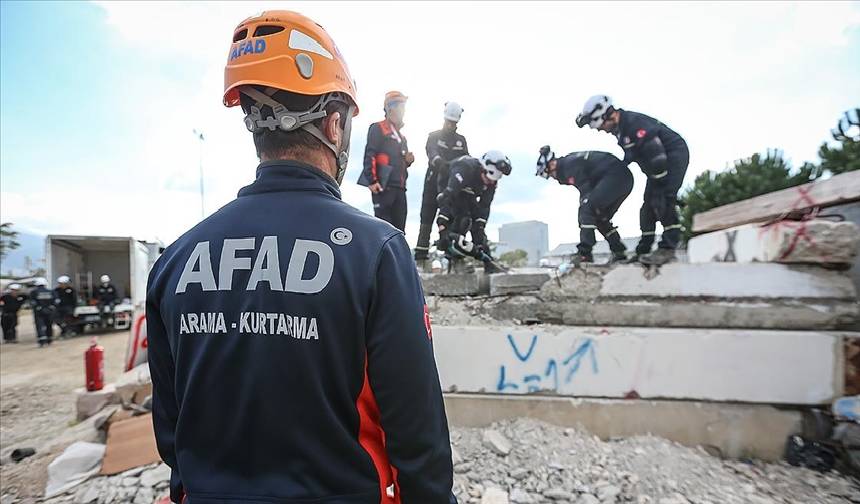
{"x":457,"y":187}
{"x":460,"y":188}
{"x":51,"y":307}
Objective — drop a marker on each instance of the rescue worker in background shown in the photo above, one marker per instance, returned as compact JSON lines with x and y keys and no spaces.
{"x":106,"y":297}
{"x":386,"y":159}
{"x":10,"y":302}
{"x":301,"y":344}
{"x":43,"y":303}
{"x":67,"y":299}
{"x":464,"y":206}
{"x":443,"y":146}
{"x":662,"y":155}
{"x":604,"y":182}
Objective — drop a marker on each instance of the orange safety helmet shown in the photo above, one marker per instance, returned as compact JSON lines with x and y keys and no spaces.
{"x":393,"y":97}
{"x":288,"y":51}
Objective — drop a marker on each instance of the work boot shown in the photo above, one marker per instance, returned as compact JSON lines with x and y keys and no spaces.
{"x":658,"y":257}
{"x":579,"y":259}
{"x":617,"y":258}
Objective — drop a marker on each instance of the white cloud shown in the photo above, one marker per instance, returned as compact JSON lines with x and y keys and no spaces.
{"x":730,"y":77}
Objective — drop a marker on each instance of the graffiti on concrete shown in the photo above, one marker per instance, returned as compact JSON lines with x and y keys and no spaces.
{"x":545,"y":374}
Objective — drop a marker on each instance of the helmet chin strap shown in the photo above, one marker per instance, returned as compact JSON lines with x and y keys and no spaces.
{"x":290,"y":121}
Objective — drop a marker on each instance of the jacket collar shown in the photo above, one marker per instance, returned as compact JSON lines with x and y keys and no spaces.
{"x":284,"y":175}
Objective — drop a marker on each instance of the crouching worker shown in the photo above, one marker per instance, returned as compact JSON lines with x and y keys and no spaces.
{"x":464,"y":207}
{"x":604,"y":182}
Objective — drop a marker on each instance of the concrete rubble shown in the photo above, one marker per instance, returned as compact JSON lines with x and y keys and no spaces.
{"x":816,"y":241}
{"x":713,"y":295}
{"x":141,"y":485}
{"x":554,"y":465}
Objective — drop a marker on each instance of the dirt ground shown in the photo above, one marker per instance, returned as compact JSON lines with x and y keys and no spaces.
{"x":37,"y":399}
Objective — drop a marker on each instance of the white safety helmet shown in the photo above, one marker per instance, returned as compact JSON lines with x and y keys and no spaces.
{"x":40,"y":282}
{"x":14,"y":286}
{"x":453,"y":111}
{"x":105,"y":279}
{"x":595,"y":111}
{"x":64,"y":279}
{"x":495,"y":165}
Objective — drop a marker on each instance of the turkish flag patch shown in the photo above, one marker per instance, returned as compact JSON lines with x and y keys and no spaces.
{"x":427,"y":323}
{"x":641,"y":133}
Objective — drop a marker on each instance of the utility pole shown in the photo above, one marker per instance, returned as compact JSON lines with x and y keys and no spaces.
{"x":199,"y":135}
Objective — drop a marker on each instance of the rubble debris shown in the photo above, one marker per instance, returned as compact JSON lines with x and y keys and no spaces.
{"x":455,"y":284}
{"x":135,"y":385}
{"x":847,"y":408}
{"x":141,"y":485}
{"x":90,"y":403}
{"x":74,"y":466}
{"x":552,"y":465}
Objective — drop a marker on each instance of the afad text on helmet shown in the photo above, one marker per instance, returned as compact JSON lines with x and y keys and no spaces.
{"x":244,"y":47}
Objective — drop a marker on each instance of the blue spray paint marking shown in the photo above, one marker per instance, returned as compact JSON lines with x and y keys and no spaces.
{"x":585,"y":348}
{"x":502,"y":385}
{"x":549,"y":379}
{"x":528,"y":354}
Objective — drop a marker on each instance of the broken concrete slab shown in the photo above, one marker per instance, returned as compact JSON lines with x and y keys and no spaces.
{"x":134,"y":385}
{"x":89,"y":403}
{"x":714,"y":295}
{"x":518,"y":281}
{"x":757,"y":366}
{"x":728,"y":280}
{"x":737,"y":430}
{"x":455,"y":284}
{"x":815,"y":241}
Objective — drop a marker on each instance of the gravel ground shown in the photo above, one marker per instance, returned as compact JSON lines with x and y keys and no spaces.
{"x":548,"y":464}
{"x":529,"y":462}
{"x":37,"y":400}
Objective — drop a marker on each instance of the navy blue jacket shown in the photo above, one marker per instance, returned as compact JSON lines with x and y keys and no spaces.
{"x":385,"y":156}
{"x":291,"y":354}
{"x":584,"y":170}
{"x":648,"y":143}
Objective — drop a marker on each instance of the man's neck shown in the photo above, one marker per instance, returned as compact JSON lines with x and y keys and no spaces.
{"x":319,"y":160}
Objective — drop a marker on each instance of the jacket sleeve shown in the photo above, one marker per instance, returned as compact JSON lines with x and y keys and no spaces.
{"x":165,"y":410}
{"x":402,"y":373}
{"x":465,"y":146}
{"x":373,"y":146}
{"x":645,"y":148}
{"x":432,"y":148}
{"x":484,"y":204}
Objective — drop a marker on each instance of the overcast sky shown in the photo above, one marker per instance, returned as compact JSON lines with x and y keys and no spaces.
{"x":98,"y":100}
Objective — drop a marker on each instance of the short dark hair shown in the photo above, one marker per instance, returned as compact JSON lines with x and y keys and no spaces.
{"x":280,"y":143}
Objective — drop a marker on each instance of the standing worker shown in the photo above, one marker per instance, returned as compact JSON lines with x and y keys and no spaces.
{"x":604,"y":182}
{"x":662,"y":155}
{"x":386,"y":160}
{"x":106,"y":297}
{"x":300,"y":343}
{"x":464,"y":207}
{"x":443,"y":146}
{"x":10,"y":303}
{"x":67,"y":299}
{"x":43,"y":303}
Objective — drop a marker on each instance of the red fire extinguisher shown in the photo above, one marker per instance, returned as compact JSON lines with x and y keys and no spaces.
{"x":94,"y":362}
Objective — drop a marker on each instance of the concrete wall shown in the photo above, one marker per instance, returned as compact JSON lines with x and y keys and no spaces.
{"x":789,"y":367}
{"x":736,"y":430}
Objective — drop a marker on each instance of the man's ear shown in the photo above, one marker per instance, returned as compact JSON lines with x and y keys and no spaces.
{"x":332,"y":129}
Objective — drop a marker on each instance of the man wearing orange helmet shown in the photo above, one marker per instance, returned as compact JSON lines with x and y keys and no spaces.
{"x":289,"y":342}
{"x":386,"y":159}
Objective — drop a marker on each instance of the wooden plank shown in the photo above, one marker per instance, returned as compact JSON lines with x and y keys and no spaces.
{"x":833,"y":191}
{"x":130,"y":444}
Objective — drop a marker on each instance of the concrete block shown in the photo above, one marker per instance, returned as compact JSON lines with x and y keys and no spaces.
{"x":454,"y":284}
{"x":90,"y":403}
{"x":757,"y":366}
{"x":727,"y":280}
{"x":737,"y":430}
{"x":815,"y":241}
{"x":518,"y":281}
{"x":135,"y":384}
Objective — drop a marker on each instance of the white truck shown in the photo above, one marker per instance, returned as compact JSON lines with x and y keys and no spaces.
{"x":84,"y":259}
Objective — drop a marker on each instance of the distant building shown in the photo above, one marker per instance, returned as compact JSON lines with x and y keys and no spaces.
{"x":565,"y":251}
{"x":530,"y":236}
